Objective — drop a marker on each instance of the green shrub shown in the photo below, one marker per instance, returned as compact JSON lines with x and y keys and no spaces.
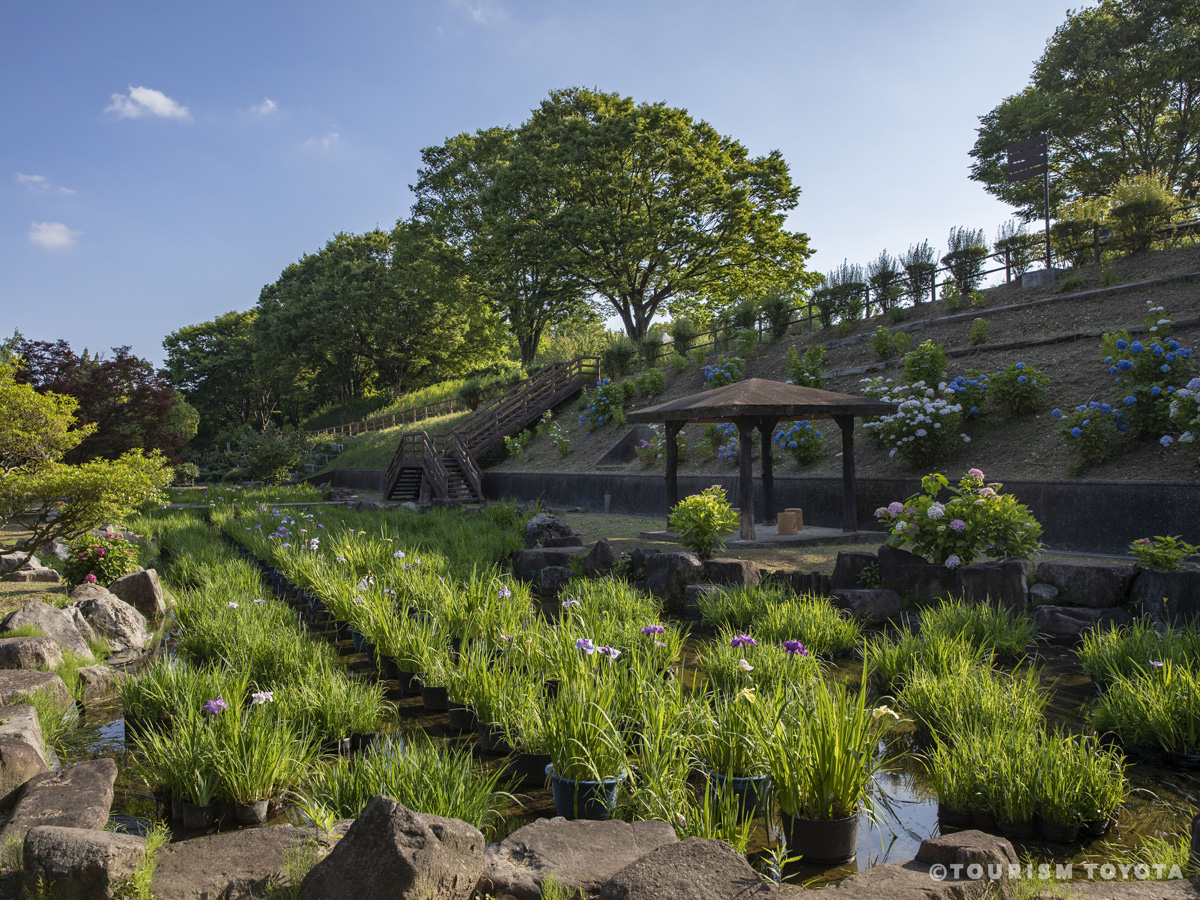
{"x":729,"y":370}
{"x":967,"y":251}
{"x":100,"y":560}
{"x":650,"y":348}
{"x":1109,"y":275}
{"x":882,"y":343}
{"x":605,"y":404}
{"x":1090,"y":433}
{"x":1018,"y":389}
{"x":1017,"y":246}
{"x":951,"y":296}
{"x":650,"y":384}
{"x":806,"y":370}
{"x":924,"y":426}
{"x":1162,"y":552}
{"x":186,"y":473}
{"x":926,"y":363}
{"x":618,"y":357}
{"x":683,"y":334}
{"x":743,"y":315}
{"x":978,"y":299}
{"x":844,"y":328}
{"x":803,"y":441}
{"x":886,"y":280}
{"x":895,"y":315}
{"x":1072,"y":283}
{"x":920,"y":266}
{"x":677,"y":362}
{"x":651,"y":451}
{"x":978,"y":332}
{"x":1142,"y":205}
{"x":702,"y":520}
{"x":745,"y":343}
{"x":777,"y":310}
{"x":274,"y":453}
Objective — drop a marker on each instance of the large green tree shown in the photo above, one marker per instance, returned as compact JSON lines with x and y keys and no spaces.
{"x":649,"y":209}
{"x":502,"y":234}
{"x":1118,"y":92}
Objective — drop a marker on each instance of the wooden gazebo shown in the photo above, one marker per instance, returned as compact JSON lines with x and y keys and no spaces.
{"x":760,"y":404}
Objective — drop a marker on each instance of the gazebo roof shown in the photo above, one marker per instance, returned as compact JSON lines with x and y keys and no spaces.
{"x":759,"y":398}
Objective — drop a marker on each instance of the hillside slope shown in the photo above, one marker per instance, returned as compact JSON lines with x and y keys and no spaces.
{"x":1025,"y":447}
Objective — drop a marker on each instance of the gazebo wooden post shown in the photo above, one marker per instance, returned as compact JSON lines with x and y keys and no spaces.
{"x":765,"y":428}
{"x":672,"y":461}
{"x":849,"y":504}
{"x":746,"y":476}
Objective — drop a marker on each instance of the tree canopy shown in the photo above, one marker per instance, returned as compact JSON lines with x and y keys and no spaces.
{"x":1117,"y":91}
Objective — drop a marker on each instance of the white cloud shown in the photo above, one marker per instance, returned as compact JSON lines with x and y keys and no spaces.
{"x":144,"y":101}
{"x":52,"y":235}
{"x":327,"y":142}
{"x":38,"y":184}
{"x":265,"y":108}
{"x":481,"y":12}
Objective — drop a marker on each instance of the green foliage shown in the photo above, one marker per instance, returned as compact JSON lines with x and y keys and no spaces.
{"x":1142,"y":205}
{"x":844,"y":287}
{"x":1125,"y":652}
{"x":777,"y":310}
{"x":1018,"y":389}
{"x":605,"y":404}
{"x":650,"y":384}
{"x":38,"y":426}
{"x":895,"y":315}
{"x":1018,"y":247}
{"x":274,"y":453}
{"x":1104,"y":61}
{"x":806,"y":370}
{"x":951,"y":295}
{"x":683,"y":335}
{"x":978,"y":300}
{"x":651,"y":451}
{"x":1109,"y":276}
{"x":976,"y":520}
{"x":967,"y":250}
{"x":1159,"y":706}
{"x":186,"y":473}
{"x":678,"y":364}
{"x":560,"y":438}
{"x":920,"y":265}
{"x":927,"y":363}
{"x":702,"y":520}
{"x":882,"y":343}
{"x":1090,"y":433}
{"x":618,"y":357}
{"x":924,"y":426}
{"x":1072,"y":283}
{"x":1163,"y":552}
{"x":103,"y":557}
{"x":978,"y":332}
{"x":886,"y":279}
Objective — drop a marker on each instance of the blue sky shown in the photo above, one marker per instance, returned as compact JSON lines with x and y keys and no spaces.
{"x":161,"y":162}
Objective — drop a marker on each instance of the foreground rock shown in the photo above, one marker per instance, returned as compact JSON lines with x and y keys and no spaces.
{"x":849,"y":567}
{"x":553,"y":579}
{"x":876,"y":606}
{"x":667,"y":574}
{"x":234,"y":864}
{"x":912,"y":880}
{"x":20,"y":762}
{"x":1180,"y":589}
{"x":79,"y":863}
{"x":600,"y":559}
{"x":20,"y":722}
{"x":581,"y":855}
{"x":695,"y":869}
{"x":113,"y":620}
{"x":545,"y":530}
{"x":527,"y":565}
{"x":30,"y":653}
{"x":910,"y":575}
{"x":391,"y":851}
{"x":1087,"y":584}
{"x":142,"y":591}
{"x":78,"y":797}
{"x":1068,"y":624}
{"x":33,"y":575}
{"x":1001,"y":582}
{"x":98,"y":683}
{"x":735,"y":572}
{"x":14,"y":683}
{"x":54,"y":623}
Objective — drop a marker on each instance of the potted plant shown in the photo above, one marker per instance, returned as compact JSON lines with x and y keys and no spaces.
{"x":824,"y":758}
{"x":731,"y":747}
{"x":587,"y":750}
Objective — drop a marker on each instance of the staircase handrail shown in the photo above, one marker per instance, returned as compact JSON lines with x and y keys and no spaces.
{"x":466,"y":462}
{"x":435,"y":471}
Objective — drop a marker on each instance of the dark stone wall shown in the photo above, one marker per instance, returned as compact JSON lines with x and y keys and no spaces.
{"x":1085,"y":516}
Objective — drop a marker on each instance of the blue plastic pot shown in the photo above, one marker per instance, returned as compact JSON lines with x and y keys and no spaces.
{"x":584,"y":799}
{"x":752,"y":793}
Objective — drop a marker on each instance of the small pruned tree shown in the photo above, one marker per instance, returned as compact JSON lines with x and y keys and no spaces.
{"x":967,"y":250}
{"x":886,"y":278}
{"x":847,"y":284}
{"x":1020,"y":248}
{"x":920,"y":265}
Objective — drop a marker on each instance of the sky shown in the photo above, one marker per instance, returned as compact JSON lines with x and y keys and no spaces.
{"x":161,"y":162}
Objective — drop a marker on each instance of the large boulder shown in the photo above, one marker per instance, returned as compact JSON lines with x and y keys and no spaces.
{"x":78,"y":797}
{"x":52,"y":622}
{"x":80,"y":863}
{"x":98,"y":683}
{"x":1170,"y":597}
{"x":735,"y":572}
{"x":114,"y":621}
{"x":692,"y":594}
{"x":20,"y":761}
{"x":527,"y":565}
{"x":15,"y":683}
{"x":695,"y":869}
{"x":553,"y":579}
{"x":876,"y":606}
{"x":1042,"y":594}
{"x":910,"y":575}
{"x":849,"y":566}
{"x":33,"y":575}
{"x":581,"y":855}
{"x":11,"y":562}
{"x":1001,"y":582}
{"x":1068,"y":624}
{"x":234,"y":864}
{"x":1088,"y":584}
{"x":391,"y":851}
{"x":667,"y":574}
{"x":142,"y":591}
{"x":545,"y":530}
{"x":638,"y":559}
{"x":599,"y":559}
{"x":30,"y":653}
{"x":19,"y":722}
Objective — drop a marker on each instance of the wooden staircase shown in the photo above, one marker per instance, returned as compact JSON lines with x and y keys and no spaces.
{"x":441,"y":467}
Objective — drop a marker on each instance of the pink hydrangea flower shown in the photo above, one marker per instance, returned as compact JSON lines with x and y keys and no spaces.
{"x":89,"y":578}
{"x":976,"y":474}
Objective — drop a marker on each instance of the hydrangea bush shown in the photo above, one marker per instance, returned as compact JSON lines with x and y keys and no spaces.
{"x":101,"y":560}
{"x":652,"y":450}
{"x":969,"y":391}
{"x":605,"y":404}
{"x":924,"y":426}
{"x":1090,"y":432}
{"x":1149,"y":374}
{"x":975,"y":520}
{"x":803,"y":441}
{"x":1018,"y":390}
{"x":1184,"y":410}
{"x":730,"y":369}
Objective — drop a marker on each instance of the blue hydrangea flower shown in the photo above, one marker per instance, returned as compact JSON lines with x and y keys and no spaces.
{"x":1056,"y":413}
{"x":1129,"y":401}
{"x":1086,"y":422}
{"x":1020,"y":365}
{"x":1021,"y":379}
{"x":1105,"y":408}
{"x":1155,"y":391}
{"x":1164,"y":368}
{"x":1075,"y":432}
{"x":1122,"y":344}
{"x":1136,"y":347}
{"x":1125,"y":365}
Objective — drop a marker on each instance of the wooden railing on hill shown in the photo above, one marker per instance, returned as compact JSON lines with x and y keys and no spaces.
{"x":486,"y":428}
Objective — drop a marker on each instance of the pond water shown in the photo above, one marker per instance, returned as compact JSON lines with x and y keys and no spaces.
{"x":1161,"y":801}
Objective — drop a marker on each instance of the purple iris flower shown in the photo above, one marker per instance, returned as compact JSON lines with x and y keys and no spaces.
{"x":586,"y":646}
{"x":652,"y":629}
{"x":212,"y":707}
{"x":794,"y":648}
{"x":743,"y":640}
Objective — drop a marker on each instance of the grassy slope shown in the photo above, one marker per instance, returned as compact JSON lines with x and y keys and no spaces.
{"x":374,"y":449}
{"x":1028,"y":447}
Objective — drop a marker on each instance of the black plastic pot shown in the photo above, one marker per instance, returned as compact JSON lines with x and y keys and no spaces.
{"x":407,"y":681}
{"x":593,"y":800}
{"x":529,"y":769}
{"x":461,"y":717}
{"x":822,"y":840}
{"x":251,"y":813}
{"x":197,"y":818}
{"x":1016,"y":831}
{"x":1058,"y":834}
{"x":952,"y":817}
{"x":336,"y":746}
{"x":361,"y":742}
{"x":492,"y":740}
{"x":434,"y":699}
